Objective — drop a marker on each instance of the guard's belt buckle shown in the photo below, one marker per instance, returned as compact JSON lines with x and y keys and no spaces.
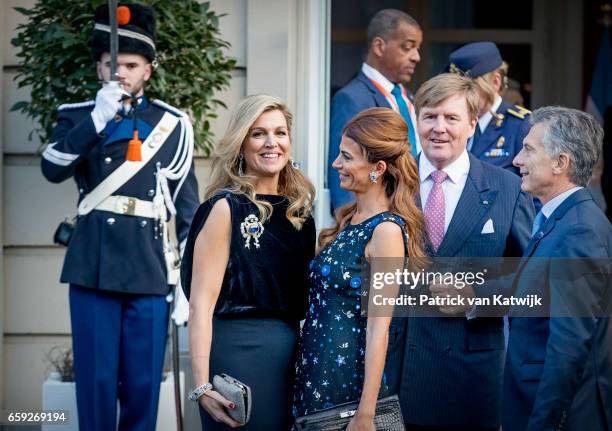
{"x":125,"y":205}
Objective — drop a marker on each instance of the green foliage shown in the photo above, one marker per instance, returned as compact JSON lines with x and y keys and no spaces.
{"x":56,"y":60}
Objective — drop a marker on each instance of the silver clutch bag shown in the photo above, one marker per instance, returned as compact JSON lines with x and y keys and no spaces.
{"x":388,"y":417}
{"x":238,"y":393}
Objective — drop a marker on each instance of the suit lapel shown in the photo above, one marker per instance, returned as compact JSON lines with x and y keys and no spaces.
{"x":535,"y":240}
{"x":576,"y":197}
{"x":474,"y":203}
{"x":381,"y":100}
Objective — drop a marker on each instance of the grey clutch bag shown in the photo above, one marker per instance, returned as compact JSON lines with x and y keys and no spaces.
{"x":388,"y":417}
{"x":238,"y":393}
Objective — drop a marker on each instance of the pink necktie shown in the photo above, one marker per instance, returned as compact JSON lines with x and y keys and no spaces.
{"x":434,"y":209}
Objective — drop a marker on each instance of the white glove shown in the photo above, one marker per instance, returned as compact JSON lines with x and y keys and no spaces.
{"x":108,"y":102}
{"x":180,"y":314}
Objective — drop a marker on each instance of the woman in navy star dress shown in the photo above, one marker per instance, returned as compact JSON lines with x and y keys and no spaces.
{"x":342,"y":353}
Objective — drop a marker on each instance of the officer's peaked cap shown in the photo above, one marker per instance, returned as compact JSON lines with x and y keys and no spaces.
{"x":475,"y":59}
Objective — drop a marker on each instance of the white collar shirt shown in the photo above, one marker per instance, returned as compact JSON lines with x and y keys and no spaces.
{"x":484,"y":121}
{"x":375,"y":75}
{"x":549,"y":207}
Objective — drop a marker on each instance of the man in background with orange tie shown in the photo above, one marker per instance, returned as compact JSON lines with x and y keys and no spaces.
{"x":394,"y":39}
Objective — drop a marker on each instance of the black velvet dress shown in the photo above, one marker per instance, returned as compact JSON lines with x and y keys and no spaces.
{"x":262,"y":300}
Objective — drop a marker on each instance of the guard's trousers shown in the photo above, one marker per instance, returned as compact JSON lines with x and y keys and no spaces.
{"x":118,"y":340}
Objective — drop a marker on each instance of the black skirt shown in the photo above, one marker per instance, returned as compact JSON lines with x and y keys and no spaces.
{"x":261,"y":354}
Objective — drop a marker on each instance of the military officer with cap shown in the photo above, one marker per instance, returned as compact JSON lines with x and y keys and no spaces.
{"x":501,"y":126}
{"x":120,"y":262}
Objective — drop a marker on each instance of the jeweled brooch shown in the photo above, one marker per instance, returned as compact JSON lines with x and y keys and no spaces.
{"x":251,"y":227}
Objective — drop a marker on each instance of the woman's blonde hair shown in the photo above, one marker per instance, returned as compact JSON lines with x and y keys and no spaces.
{"x":383,"y":135}
{"x":226,"y":163}
{"x":485,"y":82}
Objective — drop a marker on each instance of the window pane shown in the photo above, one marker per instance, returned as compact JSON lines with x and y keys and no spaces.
{"x":346,"y":63}
{"x":478,"y":14}
{"x":357,"y":14}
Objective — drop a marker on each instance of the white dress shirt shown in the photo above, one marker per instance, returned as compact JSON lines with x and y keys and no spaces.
{"x":550,"y":206}
{"x":453,"y":186}
{"x":375,"y":75}
{"x":484,"y":121}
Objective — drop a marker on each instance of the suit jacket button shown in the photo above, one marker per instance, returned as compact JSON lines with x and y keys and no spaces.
{"x":107,"y":160}
{"x":110,"y":221}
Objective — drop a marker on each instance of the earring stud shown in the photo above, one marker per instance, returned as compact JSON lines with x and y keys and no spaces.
{"x":373,"y":177}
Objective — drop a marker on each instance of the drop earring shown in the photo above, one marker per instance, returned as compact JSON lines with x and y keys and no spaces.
{"x":240,"y":162}
{"x":373,"y":177}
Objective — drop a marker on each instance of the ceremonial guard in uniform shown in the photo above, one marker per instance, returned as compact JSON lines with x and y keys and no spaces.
{"x":501,"y":126}
{"x":120,"y":262}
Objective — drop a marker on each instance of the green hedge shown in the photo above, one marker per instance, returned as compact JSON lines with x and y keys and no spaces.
{"x":56,"y":60}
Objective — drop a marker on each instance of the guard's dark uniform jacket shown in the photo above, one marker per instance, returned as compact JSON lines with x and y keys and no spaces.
{"x":117,"y":252}
{"x":503,"y":138}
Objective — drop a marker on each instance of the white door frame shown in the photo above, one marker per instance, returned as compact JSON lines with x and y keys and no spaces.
{"x":312,"y":109}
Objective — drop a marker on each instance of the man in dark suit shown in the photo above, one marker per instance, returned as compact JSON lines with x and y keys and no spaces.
{"x":448,"y":370}
{"x":559,"y":364}
{"x":394,"y":39}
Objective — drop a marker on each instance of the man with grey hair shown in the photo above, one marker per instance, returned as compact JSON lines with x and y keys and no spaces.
{"x":394,"y":39}
{"x":558,"y":371}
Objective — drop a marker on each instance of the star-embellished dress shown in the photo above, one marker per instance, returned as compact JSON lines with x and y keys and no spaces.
{"x":331,"y":359}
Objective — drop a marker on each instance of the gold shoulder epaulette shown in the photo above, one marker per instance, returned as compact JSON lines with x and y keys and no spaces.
{"x":519,"y":111}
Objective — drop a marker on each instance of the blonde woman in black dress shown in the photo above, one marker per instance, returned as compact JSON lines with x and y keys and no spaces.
{"x":245,"y":265}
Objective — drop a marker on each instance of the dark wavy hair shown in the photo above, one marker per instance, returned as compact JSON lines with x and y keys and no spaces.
{"x":383,"y":135}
